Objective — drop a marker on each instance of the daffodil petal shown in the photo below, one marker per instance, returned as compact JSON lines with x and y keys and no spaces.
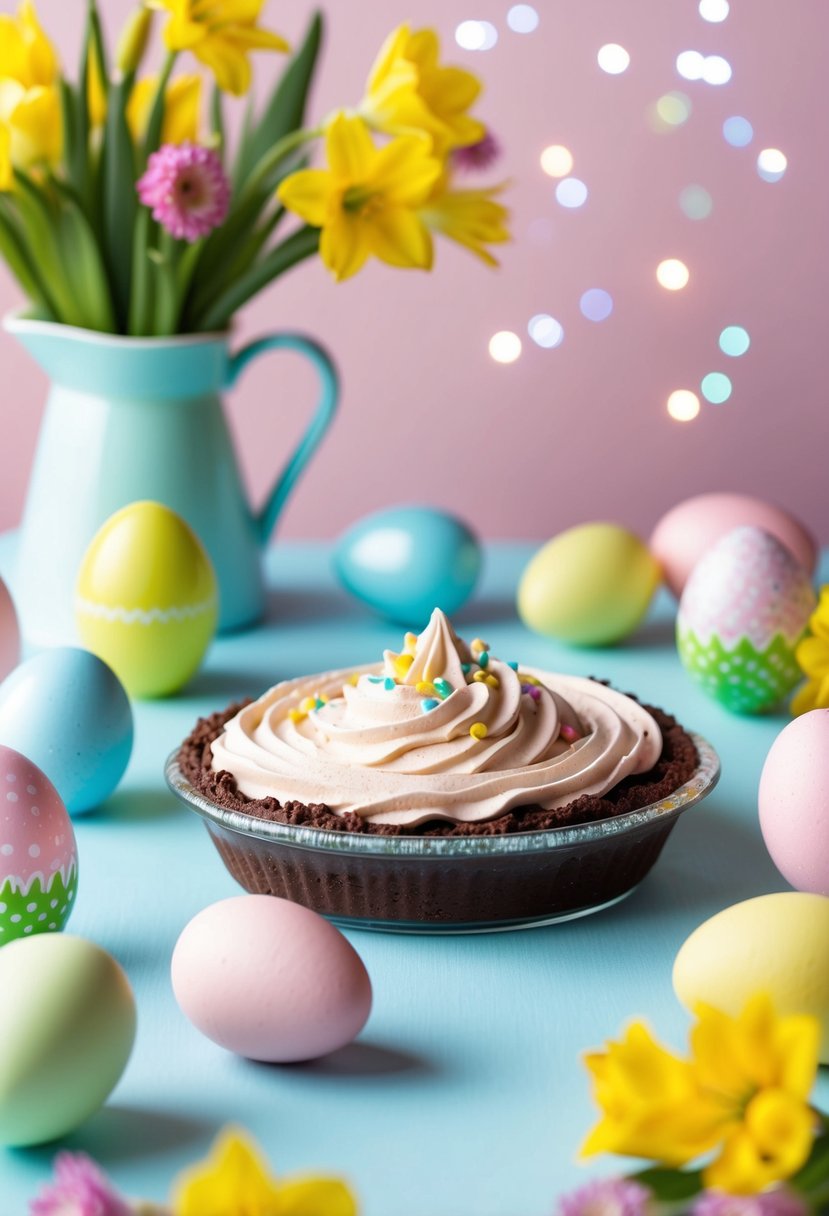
{"x":807,"y":697}
{"x":783,"y":1127}
{"x":451,"y":90}
{"x":233,"y":1181}
{"x":315,"y":1197}
{"x":399,"y":238}
{"x":388,"y":56}
{"x":6,"y":170}
{"x":349,"y":148}
{"x":405,"y":171}
{"x":812,"y":655}
{"x":740,"y":1168}
{"x":308,"y":193}
{"x":344,"y":247}
{"x":227,"y":62}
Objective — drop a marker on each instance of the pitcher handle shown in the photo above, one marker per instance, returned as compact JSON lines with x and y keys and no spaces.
{"x":267,"y":517}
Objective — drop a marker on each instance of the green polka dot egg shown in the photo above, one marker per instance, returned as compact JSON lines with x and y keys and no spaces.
{"x":743,"y":611}
{"x":38,"y":858}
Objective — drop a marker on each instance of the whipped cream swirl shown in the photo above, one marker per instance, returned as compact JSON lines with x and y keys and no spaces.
{"x":440,"y":731}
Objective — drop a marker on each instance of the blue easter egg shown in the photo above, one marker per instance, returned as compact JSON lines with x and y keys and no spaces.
{"x":68,"y":713}
{"x":406,"y":561}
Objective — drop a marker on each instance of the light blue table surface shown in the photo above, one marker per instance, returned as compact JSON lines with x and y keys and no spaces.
{"x":465,"y":1095}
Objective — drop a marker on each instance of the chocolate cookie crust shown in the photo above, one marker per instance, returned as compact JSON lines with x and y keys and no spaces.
{"x":675,"y":765}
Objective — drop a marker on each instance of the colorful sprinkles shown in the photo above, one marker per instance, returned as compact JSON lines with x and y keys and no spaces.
{"x":478,"y":730}
{"x":429,"y":704}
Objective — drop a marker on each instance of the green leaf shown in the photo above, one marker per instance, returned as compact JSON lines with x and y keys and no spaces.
{"x":39,"y":224}
{"x":670,"y":1185}
{"x":84,"y":268}
{"x":141,"y":293}
{"x":285,"y":112}
{"x":120,"y":201}
{"x":20,"y":260}
{"x":300,"y":245}
{"x":152,"y":139}
{"x":217,"y":118}
{"x":68,"y":115}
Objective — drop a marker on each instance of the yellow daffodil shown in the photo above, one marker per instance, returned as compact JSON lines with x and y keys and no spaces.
{"x":367,"y":201}
{"x":182,"y":102}
{"x":813,"y":656}
{"x":235,"y":1181}
{"x":30,"y":111}
{"x":221,"y":34}
{"x":96,"y":102}
{"x":26,"y":54}
{"x":409,"y":90}
{"x":471,"y":217}
{"x":742,"y":1096}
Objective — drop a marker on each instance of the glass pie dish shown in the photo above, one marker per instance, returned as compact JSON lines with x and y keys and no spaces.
{"x":451,"y":884}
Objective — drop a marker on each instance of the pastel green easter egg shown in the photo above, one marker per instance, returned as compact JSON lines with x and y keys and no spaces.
{"x":590,"y":585}
{"x":67,"y":1026}
{"x":778,"y":944}
{"x":742,"y":613}
{"x":146,"y":599}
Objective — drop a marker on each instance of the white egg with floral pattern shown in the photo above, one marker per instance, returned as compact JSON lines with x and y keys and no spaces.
{"x":38,"y":856}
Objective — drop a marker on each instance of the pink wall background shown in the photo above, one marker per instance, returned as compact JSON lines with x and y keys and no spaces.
{"x":580,"y":431}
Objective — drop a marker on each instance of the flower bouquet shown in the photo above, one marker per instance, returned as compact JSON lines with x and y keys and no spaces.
{"x":124,"y":210}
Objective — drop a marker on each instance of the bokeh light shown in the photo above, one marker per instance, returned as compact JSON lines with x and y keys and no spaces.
{"x":683,"y":405}
{"x":673,"y":109}
{"x":690,"y":65}
{"x":696,"y":203}
{"x":613,"y":59}
{"x":716,"y":387}
{"x":716,"y":70}
{"x":737,"y":131}
{"x":771,"y":164}
{"x":571,"y":192}
{"x":545,"y":330}
{"x":505,"y":346}
{"x":522,"y":19}
{"x":476,"y":35}
{"x":734,"y":341}
{"x":596,"y":304}
{"x":556,"y":160}
{"x":672,"y":274}
{"x":713,"y":10}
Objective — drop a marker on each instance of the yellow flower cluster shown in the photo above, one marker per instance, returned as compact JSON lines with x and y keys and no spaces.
{"x":740,"y":1100}
{"x":30,"y":115}
{"x":813,"y":656}
{"x":236,"y":1181}
{"x":221,"y":34}
{"x":385,"y":201}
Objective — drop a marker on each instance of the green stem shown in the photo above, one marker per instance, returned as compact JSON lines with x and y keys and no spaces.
{"x":273,"y":159}
{"x":301,"y":245}
{"x":156,"y":122}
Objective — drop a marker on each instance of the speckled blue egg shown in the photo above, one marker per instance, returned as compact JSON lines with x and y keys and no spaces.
{"x":67,"y":712}
{"x":406,"y":561}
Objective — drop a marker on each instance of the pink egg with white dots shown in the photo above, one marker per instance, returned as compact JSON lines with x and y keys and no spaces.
{"x":38,"y":857}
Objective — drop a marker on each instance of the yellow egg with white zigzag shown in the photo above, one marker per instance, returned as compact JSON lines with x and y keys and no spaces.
{"x":146,"y":599}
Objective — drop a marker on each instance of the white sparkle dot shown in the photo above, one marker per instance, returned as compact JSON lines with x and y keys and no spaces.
{"x":522,"y":19}
{"x":613,"y":59}
{"x":571,"y":192}
{"x":11,"y":776}
{"x":35,"y":810}
{"x":713,"y":10}
{"x":42,"y":916}
{"x":771,"y":164}
{"x":34,"y":850}
{"x":716,"y":70}
{"x":31,"y":789}
{"x":52,"y":925}
{"x":27,"y":928}
{"x":505,"y":346}
{"x":7,"y":850}
{"x":545,"y":330}
{"x":476,"y":35}
{"x":11,"y":796}
{"x":690,"y":64}
{"x":3,"y":908}
{"x":31,"y":907}
{"x":16,"y":918}
{"x":53,"y":904}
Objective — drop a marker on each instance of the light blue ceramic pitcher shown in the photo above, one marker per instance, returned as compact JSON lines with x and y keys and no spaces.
{"x":135,"y":418}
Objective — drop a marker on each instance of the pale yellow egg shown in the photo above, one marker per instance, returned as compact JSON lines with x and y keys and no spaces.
{"x":146,"y":599}
{"x":777,"y":944}
{"x":590,"y":585}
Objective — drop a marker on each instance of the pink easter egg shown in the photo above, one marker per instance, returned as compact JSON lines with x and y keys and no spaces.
{"x":794,"y":802}
{"x":690,"y":529}
{"x":270,"y":979}
{"x":9,"y":633}
{"x":38,"y":857}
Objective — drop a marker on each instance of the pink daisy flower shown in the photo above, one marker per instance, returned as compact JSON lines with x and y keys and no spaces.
{"x":606,"y":1197}
{"x":79,"y":1188}
{"x":187,"y":189}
